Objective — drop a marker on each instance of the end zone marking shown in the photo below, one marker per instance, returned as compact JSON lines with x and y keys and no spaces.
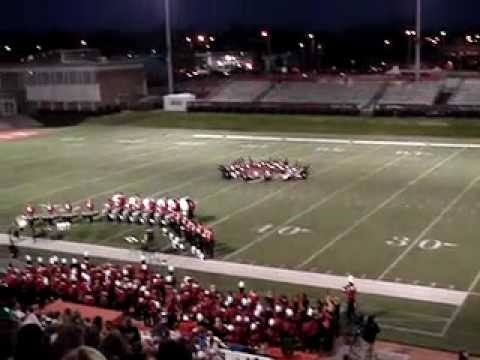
{"x":338,"y":141}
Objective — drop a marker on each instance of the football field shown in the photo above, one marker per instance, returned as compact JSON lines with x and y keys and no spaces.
{"x":401,"y":211}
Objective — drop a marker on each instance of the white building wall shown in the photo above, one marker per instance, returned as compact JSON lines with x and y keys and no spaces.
{"x":64,"y":93}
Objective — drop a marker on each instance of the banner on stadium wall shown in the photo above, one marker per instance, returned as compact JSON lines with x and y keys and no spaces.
{"x":177,"y":102}
{"x":236,"y":355}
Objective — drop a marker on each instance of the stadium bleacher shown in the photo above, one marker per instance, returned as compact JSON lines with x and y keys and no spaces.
{"x":468,"y":94}
{"x":350,"y":93}
{"x":411,"y":93}
{"x":241,"y":91}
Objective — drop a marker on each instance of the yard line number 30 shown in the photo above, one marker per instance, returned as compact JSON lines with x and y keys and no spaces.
{"x":426,"y":244}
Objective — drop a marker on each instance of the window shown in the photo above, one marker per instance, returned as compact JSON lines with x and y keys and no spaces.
{"x":8,"y":108}
{"x":43,"y":78}
{"x":72,"y":79}
{"x":87,"y":77}
{"x":58,"y":77}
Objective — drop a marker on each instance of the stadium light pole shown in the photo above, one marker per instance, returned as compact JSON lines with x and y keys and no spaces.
{"x":418,"y":61}
{"x":168,"y":38}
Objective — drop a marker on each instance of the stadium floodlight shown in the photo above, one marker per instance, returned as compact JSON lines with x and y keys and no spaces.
{"x":201,"y":38}
{"x":387,"y":42}
{"x":38,"y":47}
{"x":418,"y":45}
{"x":264,"y":33}
{"x":168,"y":41}
{"x":188,"y":39}
{"x":83,"y":42}
{"x":7,"y":48}
{"x":319,"y":47}
{"x":311,"y":36}
{"x":301,"y":45}
{"x":211,"y":38}
{"x":443,"y":33}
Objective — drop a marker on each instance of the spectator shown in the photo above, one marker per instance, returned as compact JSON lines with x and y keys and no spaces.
{"x":68,"y":338}
{"x":173,"y":350}
{"x":370,"y":332}
{"x":92,"y":333}
{"x":84,"y":353}
{"x":114,"y":346}
{"x":131,"y":335}
{"x":31,"y":343}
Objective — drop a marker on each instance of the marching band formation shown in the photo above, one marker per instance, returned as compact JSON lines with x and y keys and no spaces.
{"x":263,"y":170}
{"x":175,"y":217}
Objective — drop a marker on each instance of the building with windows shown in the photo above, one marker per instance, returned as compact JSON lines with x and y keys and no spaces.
{"x":71,"y":80}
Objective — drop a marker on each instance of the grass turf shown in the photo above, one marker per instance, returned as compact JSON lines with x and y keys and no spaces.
{"x":373,"y":211}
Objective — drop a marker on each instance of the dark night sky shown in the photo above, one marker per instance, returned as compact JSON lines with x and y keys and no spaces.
{"x":213,"y":15}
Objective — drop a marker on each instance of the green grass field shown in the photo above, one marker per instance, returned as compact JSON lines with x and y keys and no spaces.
{"x":396,"y":213}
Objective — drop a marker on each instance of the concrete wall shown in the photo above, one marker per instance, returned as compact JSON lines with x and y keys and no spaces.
{"x":64,"y":93}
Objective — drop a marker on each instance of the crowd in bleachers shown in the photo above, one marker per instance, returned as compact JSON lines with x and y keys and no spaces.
{"x":173,"y":308}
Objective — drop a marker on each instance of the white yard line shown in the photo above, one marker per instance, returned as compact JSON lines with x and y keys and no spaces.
{"x":336,"y":141}
{"x":59,"y":176}
{"x":98,"y":178}
{"x":410,"y":330}
{"x":458,"y":310}
{"x":379,"y":207}
{"x":164,"y":191}
{"x":121,"y":186}
{"x":313,"y":207}
{"x":317,"y":280}
{"x":287,"y":187}
{"x":434,"y":222}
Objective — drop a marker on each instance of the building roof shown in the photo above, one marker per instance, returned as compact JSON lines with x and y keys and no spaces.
{"x":68,"y":60}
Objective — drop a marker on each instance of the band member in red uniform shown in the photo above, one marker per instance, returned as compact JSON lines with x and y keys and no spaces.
{"x":89,"y":212}
{"x":209,"y":242}
{"x":50,"y":214}
{"x":351,"y":295}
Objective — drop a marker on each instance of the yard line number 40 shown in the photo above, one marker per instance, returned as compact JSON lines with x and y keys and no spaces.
{"x":286,"y":230}
{"x":426,"y":244}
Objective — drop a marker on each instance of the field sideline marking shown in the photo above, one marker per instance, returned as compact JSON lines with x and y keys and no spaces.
{"x":406,"y":329}
{"x":458,"y":310}
{"x":434,"y":222}
{"x":314,"y":206}
{"x":338,"y":141}
{"x":379,"y":207}
{"x":317,"y":280}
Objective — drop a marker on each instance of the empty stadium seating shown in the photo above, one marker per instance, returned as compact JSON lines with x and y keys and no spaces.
{"x":410,"y":93}
{"x":352,"y":93}
{"x":468,"y":94}
{"x":240,"y":91}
